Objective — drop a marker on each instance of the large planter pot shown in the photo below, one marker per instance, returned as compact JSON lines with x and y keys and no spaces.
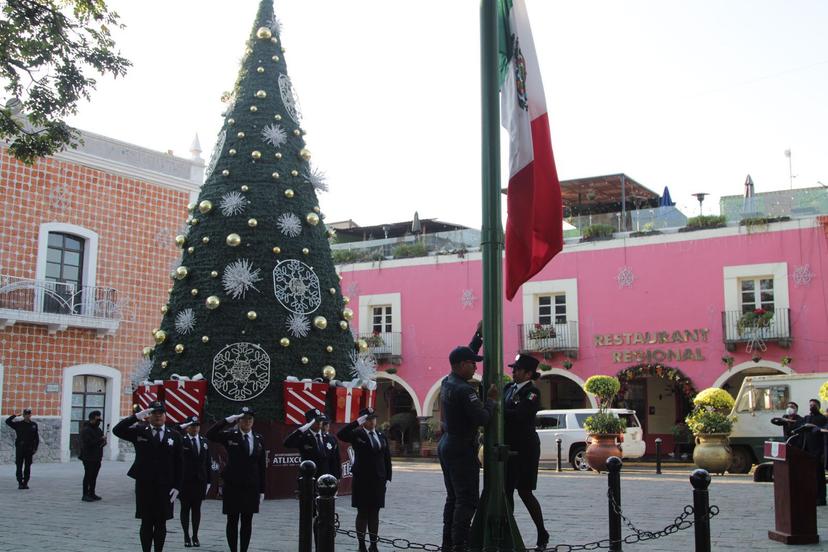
{"x":600,"y":449}
{"x":712,"y":452}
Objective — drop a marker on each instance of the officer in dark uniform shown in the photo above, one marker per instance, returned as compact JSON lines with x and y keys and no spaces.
{"x":92,"y":444}
{"x":790,"y":421}
{"x":332,"y":446}
{"x":156,"y":471}
{"x":371,"y":471}
{"x":521,"y":402}
{"x":244,"y":475}
{"x":25,"y":445}
{"x":814,"y":445}
{"x":195,"y":478}
{"x":310,"y":442}
{"x":463,"y":412}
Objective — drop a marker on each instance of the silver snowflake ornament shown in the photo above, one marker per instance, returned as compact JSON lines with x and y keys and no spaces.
{"x":289,"y":98}
{"x":468,"y":299}
{"x":289,"y":224}
{"x":296,"y":287}
{"x":239,"y":277}
{"x":625,"y":277}
{"x":802,"y":275}
{"x":274,"y":135}
{"x":185,"y":322}
{"x":298,"y":325}
{"x":317,"y":179}
{"x":363,"y":366}
{"x":232,"y":203}
{"x":274,"y":25}
{"x":141,"y":372}
{"x":241,"y":371}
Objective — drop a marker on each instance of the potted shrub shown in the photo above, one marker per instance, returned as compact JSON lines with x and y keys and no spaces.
{"x":595,"y":232}
{"x":757,"y":318}
{"x":604,"y":429}
{"x":711,"y":422}
{"x":428,"y":447}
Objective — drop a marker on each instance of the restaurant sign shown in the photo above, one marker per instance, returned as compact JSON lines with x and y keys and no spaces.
{"x":663,"y":346}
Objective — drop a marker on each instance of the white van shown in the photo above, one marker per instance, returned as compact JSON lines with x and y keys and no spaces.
{"x":569,"y":426}
{"x":759,"y":399}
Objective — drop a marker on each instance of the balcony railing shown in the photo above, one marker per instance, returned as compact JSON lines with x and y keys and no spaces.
{"x":383,"y":345}
{"x":546,"y":338}
{"x":737,"y":329}
{"x":57,"y":304}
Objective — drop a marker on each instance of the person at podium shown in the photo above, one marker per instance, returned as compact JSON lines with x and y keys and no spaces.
{"x":814,"y":444}
{"x":789,"y":422}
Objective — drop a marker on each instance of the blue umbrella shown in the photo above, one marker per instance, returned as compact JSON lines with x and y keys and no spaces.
{"x":665,"y":200}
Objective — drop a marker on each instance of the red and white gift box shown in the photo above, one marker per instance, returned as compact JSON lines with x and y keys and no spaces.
{"x":184,"y":397}
{"x":148,"y":392}
{"x":369,"y":394}
{"x":348,"y":401}
{"x":302,"y":395}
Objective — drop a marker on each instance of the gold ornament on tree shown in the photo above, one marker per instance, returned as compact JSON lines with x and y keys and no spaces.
{"x":251,"y":315}
{"x":212,"y":302}
{"x":233,"y":240}
{"x":305,"y":154}
{"x":263,"y":33}
{"x":329,"y":349}
{"x":205,"y":339}
{"x":343,"y":325}
{"x":147,"y":351}
{"x":256,"y":155}
{"x":289,"y":193}
{"x":304,"y":360}
{"x":261,"y":94}
{"x":320,"y":322}
{"x":328,"y":372}
{"x":312,"y":218}
{"x":179,"y":348}
{"x":160,"y":337}
{"x":347,"y":314}
{"x":165,"y":309}
{"x":180,"y":240}
{"x":252,"y":223}
{"x":205,"y":207}
{"x":181,"y":272}
{"x":164,"y":364}
{"x":363,"y":346}
{"x":284,"y":342}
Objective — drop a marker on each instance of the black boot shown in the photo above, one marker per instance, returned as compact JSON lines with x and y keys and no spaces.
{"x":362,"y":547}
{"x":543,"y":539}
{"x":373,"y":547}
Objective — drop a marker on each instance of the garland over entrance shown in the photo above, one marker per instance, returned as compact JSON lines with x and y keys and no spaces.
{"x":679,"y":381}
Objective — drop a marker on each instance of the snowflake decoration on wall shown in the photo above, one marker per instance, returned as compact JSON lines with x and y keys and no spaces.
{"x":59,"y":198}
{"x":241,"y":371}
{"x":164,"y":238}
{"x":363,"y":366}
{"x":317,"y":179}
{"x":232,"y":203}
{"x":211,"y":166}
{"x":185,"y":322}
{"x":289,"y":98}
{"x":353,"y":289}
{"x":802,"y":275}
{"x":289,"y":224}
{"x":468,"y":299}
{"x":296,"y":287}
{"x":625,"y":277}
{"x":239,"y":277}
{"x":274,"y":135}
{"x":298,"y":325}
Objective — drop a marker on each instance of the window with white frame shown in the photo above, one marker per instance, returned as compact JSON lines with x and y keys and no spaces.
{"x":552,"y":309}
{"x":381,"y":320}
{"x":756,"y":293}
{"x":64,"y":271}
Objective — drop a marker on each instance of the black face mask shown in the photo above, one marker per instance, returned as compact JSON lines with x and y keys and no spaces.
{"x":814,"y":410}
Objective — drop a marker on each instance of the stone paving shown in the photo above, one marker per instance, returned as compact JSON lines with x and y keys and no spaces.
{"x":51,"y":517}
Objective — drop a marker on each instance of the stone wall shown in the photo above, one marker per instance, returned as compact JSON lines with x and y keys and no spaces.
{"x":49,"y":449}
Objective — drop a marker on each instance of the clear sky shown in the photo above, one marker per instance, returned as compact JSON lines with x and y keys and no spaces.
{"x":693,"y":95}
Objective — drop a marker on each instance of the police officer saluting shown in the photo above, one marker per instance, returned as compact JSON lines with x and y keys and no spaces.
{"x":25,"y":445}
{"x":332,"y":446}
{"x":244,"y":475}
{"x":92,"y":444}
{"x":156,"y":471}
{"x":463,"y":412}
{"x":195,"y":478}
{"x":521,"y":402}
{"x":311,"y":443}
{"x":371,"y":471}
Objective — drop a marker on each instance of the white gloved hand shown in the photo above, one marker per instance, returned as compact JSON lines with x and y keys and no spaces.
{"x":185,"y":425}
{"x":144,"y":414}
{"x":307,"y":426}
{"x":173,"y":494}
{"x":207,"y":490}
{"x":361,"y":420}
{"x":261,"y":498}
{"x":232,"y":418}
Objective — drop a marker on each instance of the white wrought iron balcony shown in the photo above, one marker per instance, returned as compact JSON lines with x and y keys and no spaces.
{"x":383,"y":345}
{"x":58,"y":305}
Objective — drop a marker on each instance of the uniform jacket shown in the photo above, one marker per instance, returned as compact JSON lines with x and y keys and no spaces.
{"x":309,"y":449}
{"x":27,"y":436}
{"x":92,"y":443}
{"x":519,"y":415}
{"x":463,"y":411}
{"x":332,"y":446}
{"x":368,"y":461}
{"x":814,"y":444}
{"x":788,"y":427}
{"x":244,"y":471}
{"x":155,"y":463}
{"x":196,"y":462}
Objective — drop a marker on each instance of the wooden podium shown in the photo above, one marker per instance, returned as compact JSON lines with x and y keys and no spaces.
{"x":794,"y":494}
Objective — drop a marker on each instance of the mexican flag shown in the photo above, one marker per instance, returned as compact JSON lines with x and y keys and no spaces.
{"x":534,"y":231}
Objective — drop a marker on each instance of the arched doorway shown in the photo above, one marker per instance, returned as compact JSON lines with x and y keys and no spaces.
{"x":398,"y":410}
{"x":88,"y":387}
{"x":661,"y":397}
{"x":561,"y":389}
{"x":731,"y":380}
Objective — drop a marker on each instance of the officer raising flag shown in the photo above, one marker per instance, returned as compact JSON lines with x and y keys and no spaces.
{"x":25,"y":445}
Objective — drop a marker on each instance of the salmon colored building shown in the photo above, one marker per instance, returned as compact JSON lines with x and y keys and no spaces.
{"x":88,"y":240}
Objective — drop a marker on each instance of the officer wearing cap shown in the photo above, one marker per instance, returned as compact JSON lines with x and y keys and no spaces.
{"x":244,"y":475}
{"x":332,"y":447}
{"x":310,"y":442}
{"x":371,"y":472}
{"x":521,"y":401}
{"x":156,"y":471}
{"x":25,"y":445}
{"x":195,"y":479}
{"x":463,"y":412}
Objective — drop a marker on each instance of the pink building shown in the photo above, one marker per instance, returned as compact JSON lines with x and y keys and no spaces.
{"x":665,"y":312}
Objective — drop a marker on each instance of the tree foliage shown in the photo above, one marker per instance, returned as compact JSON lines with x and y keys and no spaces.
{"x":48,"y":51}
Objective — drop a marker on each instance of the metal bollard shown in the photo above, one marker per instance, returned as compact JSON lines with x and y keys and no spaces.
{"x":614,"y":480}
{"x":307,"y":492}
{"x":700,"y":480}
{"x":326,"y":507}
{"x":558,"y":441}
{"x":658,"y":455}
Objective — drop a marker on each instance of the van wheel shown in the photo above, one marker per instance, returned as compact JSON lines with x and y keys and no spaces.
{"x":578,"y":458}
{"x":742,"y":460}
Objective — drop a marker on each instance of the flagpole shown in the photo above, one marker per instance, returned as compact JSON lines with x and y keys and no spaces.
{"x":494,"y":526}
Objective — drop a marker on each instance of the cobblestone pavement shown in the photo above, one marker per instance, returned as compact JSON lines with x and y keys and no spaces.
{"x":51,"y":517}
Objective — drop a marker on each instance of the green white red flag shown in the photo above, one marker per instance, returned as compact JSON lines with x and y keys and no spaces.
{"x":534,"y":230}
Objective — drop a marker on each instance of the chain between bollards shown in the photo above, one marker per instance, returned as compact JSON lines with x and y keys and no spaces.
{"x":558,"y":442}
{"x":700,"y":480}
{"x":658,"y":455}
{"x":614,"y":481}
{"x":307,"y":494}
{"x":326,"y":508}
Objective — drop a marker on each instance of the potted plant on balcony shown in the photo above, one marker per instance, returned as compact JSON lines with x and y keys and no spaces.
{"x":374,"y":340}
{"x":711,"y":422}
{"x":542,"y":331}
{"x":604,"y":429}
{"x":757,"y":318}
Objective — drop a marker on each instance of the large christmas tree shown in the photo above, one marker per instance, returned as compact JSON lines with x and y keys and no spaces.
{"x":256,"y":297}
